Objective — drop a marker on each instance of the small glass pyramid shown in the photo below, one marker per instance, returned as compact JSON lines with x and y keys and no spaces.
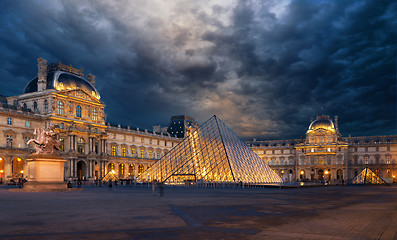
{"x":212,"y":153}
{"x":110,"y":177}
{"x":367,"y":176}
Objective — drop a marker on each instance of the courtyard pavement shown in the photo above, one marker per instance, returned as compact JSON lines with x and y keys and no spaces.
{"x":332,"y":212}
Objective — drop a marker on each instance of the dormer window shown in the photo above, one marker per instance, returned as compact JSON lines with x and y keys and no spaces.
{"x":78,"y":111}
{"x":61,"y":107}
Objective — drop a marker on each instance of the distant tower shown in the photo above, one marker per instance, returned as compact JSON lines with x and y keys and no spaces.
{"x":42,"y":74}
{"x":336,"y":122}
{"x":91,"y":79}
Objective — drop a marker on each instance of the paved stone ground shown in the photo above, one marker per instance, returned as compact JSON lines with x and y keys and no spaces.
{"x":333,"y":212}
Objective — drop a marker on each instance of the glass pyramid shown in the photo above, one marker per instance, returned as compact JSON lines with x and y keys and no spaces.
{"x":367,"y":176}
{"x":110,"y":177}
{"x":212,"y":153}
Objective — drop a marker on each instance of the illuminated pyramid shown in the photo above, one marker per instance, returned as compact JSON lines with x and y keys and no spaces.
{"x":367,"y":176}
{"x":110,"y":177}
{"x":212,"y":153}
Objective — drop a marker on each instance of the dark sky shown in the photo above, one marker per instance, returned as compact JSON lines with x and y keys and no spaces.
{"x":263,"y":67}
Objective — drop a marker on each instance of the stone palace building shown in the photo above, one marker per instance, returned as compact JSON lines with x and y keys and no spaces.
{"x":60,"y":95}
{"x":324,"y":155}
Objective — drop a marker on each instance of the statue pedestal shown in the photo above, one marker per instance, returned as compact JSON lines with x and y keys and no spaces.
{"x":45,"y":174}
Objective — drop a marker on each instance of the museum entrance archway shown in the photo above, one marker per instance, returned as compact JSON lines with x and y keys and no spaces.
{"x":320,"y":174}
{"x":82,"y":170}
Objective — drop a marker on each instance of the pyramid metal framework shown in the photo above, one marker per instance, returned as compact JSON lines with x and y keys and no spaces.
{"x":212,"y":153}
{"x":367,"y":176}
{"x":110,"y":177}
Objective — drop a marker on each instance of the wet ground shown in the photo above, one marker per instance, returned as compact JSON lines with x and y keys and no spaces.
{"x":332,"y":212}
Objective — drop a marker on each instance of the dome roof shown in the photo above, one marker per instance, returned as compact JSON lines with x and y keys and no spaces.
{"x":61,"y":80}
{"x":322,"y":123}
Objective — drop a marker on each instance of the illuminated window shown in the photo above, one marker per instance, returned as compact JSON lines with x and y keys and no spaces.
{"x":132,"y":152}
{"x":110,"y":167}
{"x":113,"y":150}
{"x":62,"y":126}
{"x":142,"y":153}
{"x":123,"y":151}
{"x":312,"y":150}
{"x":150,"y":153}
{"x":131,"y":170}
{"x":388,"y":159}
{"x":94,"y":115}
{"x":78,"y":111}
{"x":366,"y":159}
{"x":158,"y":155}
{"x":9,"y":121}
{"x":121,"y":169}
{"x":61,"y":107}
{"x":80,"y":145}
{"x":329,"y":149}
{"x":45,"y":106}
{"x":140,"y":169}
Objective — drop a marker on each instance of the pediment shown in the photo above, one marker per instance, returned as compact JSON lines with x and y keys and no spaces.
{"x":81,"y":94}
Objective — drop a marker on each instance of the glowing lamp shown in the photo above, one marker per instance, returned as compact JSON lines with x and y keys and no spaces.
{"x":21,"y":171}
{"x":302,"y":172}
{"x":1,"y":171}
{"x":326,"y":172}
{"x":19,"y":159}
{"x":1,"y":158}
{"x":282,"y":171}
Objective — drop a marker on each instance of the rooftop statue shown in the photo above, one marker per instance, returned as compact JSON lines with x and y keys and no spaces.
{"x":46,"y":142}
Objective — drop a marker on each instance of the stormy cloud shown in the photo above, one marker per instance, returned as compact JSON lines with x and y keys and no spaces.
{"x":264,"y":67}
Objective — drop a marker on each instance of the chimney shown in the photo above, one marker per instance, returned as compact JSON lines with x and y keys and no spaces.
{"x":42,"y":74}
{"x":336,"y":122}
{"x":91,"y":79}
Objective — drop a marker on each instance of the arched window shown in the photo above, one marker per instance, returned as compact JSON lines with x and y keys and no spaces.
{"x":1,"y":167}
{"x":388,"y":173}
{"x":121,"y":170}
{"x":17,"y":167}
{"x":78,"y":111}
{"x":45,"y":106}
{"x":35,"y":105}
{"x":110,"y":167}
{"x":131,"y":170}
{"x":366,"y":157}
{"x":80,"y":145}
{"x":140,"y":169}
{"x":61,"y":107}
{"x":94,"y":114}
{"x":388,"y":159}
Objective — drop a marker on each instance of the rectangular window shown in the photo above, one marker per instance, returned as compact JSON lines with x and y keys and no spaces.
{"x":388,"y":159}
{"x":113,"y":150}
{"x":150,"y":153}
{"x":27,"y":124}
{"x":132,"y":152}
{"x":9,"y":140}
{"x":123,"y":152}
{"x":158,"y":155}
{"x":142,"y":153}
{"x":9,"y":121}
{"x":366,"y":159}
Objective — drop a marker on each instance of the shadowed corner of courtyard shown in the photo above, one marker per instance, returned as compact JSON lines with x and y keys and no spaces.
{"x":333,"y":212}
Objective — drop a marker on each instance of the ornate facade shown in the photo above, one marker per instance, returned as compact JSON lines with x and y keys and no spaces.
{"x":60,"y":96}
{"x":324,"y":155}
